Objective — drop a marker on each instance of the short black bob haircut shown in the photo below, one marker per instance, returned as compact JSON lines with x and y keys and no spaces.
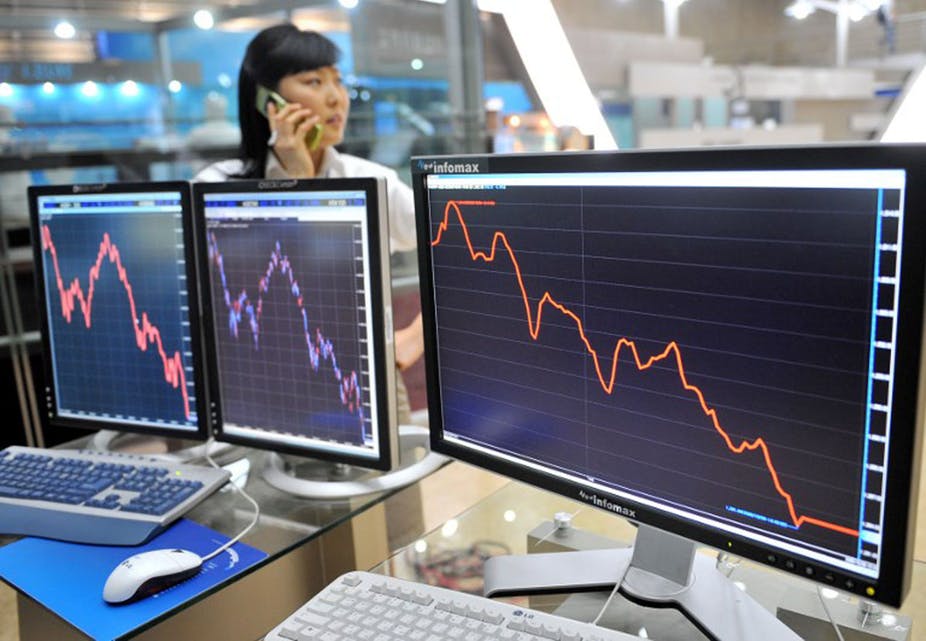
{"x":275,"y":52}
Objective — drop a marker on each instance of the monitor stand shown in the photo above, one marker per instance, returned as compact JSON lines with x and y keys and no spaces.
{"x":660,"y":569}
{"x":172,"y":449}
{"x":337,"y":482}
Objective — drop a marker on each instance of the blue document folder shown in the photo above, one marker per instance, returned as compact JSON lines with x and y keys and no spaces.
{"x":68,"y":578}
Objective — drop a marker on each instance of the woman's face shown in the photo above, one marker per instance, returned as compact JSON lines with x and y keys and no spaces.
{"x":322,"y":91}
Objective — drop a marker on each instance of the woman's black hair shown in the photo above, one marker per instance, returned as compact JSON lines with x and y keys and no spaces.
{"x":275,"y":52}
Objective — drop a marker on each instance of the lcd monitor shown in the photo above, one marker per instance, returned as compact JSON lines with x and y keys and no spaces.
{"x":116,"y":280}
{"x":298,"y":320}
{"x":722,"y":345}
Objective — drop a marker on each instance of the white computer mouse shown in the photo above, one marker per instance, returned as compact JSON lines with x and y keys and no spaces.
{"x":148,"y":573}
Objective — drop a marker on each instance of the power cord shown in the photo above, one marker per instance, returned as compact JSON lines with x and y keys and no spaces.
{"x":617,"y":587}
{"x":239,"y":490}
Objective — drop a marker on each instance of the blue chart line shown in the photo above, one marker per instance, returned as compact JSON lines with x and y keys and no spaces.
{"x":318,"y":347}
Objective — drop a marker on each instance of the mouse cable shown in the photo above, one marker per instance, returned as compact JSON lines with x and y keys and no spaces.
{"x":240,"y":491}
{"x":829,"y":615}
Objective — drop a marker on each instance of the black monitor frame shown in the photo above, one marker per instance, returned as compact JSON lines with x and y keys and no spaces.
{"x":908,"y":408}
{"x":49,"y":416}
{"x":383,"y":362}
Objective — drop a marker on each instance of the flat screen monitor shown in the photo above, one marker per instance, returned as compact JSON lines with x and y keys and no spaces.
{"x":722,"y":344}
{"x":298,"y":317}
{"x":115,"y":273}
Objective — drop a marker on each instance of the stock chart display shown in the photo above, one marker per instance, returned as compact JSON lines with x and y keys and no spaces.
{"x":721,"y":352}
{"x":290,"y":318}
{"x":117,"y":309}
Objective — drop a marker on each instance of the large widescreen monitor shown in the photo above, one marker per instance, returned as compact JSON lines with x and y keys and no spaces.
{"x":116,"y":278}
{"x":723,"y":344}
{"x":298,"y":317}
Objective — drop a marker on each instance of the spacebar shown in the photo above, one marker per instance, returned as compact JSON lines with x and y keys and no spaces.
{"x":13,"y":492}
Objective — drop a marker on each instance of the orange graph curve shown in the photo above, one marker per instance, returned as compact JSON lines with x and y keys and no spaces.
{"x":607,"y":382}
{"x":145,"y":332}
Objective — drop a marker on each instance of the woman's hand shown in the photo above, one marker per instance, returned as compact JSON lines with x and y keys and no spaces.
{"x":409,"y":344}
{"x":289,"y":128}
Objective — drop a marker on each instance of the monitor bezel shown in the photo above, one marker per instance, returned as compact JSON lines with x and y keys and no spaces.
{"x":904,"y":466}
{"x":50,"y":419}
{"x":383,"y":351}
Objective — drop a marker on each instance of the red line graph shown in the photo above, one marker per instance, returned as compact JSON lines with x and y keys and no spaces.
{"x":145,"y":332}
{"x":607,"y":382}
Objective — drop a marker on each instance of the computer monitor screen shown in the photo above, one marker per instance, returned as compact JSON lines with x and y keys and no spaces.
{"x":119,"y":317}
{"x":723,"y":344}
{"x":298,"y":317}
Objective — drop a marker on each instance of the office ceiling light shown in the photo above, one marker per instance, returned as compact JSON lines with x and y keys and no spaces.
{"x":417,"y":64}
{"x":552,"y":66}
{"x":800,"y":9}
{"x":857,"y":12}
{"x":129,"y":88}
{"x":65,"y":30}
{"x":203,"y":19}
{"x":174,"y":86}
{"x":90,"y":89}
{"x":906,"y":123}
{"x":48,"y":88}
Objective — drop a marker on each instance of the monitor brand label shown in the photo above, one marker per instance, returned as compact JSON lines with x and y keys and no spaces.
{"x":85,"y":189}
{"x":276,"y":184}
{"x":448,"y":167}
{"x":607,"y":504}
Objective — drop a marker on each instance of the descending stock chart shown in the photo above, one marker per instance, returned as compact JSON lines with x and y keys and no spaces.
{"x":289,"y":327}
{"x":704,"y":348}
{"x":116,"y":301}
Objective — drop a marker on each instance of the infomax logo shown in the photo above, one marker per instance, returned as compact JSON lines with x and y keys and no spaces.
{"x":449,"y":167}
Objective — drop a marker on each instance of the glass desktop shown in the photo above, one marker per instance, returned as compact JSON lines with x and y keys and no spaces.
{"x":422,"y":532}
{"x":519,"y":519}
{"x":308,"y":543}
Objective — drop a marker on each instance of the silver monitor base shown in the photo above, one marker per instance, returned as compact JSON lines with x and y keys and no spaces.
{"x":277,"y":475}
{"x":858,"y":620}
{"x":170,"y":449}
{"x":660,"y":569}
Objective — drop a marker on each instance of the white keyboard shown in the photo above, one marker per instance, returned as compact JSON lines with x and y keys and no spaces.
{"x":360,"y":606}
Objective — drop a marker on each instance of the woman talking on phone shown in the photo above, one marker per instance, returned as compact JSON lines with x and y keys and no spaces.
{"x":292,"y":110}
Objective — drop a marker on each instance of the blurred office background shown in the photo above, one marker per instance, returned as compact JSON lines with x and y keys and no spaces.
{"x":111,"y":90}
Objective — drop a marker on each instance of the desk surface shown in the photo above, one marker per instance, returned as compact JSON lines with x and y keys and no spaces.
{"x":308,"y":543}
{"x":515,"y":520}
{"x":466,"y":513}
